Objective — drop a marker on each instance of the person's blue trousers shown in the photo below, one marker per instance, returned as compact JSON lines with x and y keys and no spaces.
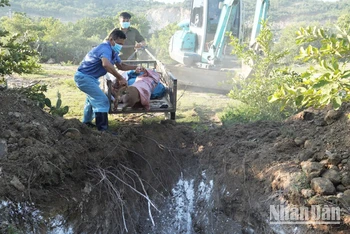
{"x":97,"y":103}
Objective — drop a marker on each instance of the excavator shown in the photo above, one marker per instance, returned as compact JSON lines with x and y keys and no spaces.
{"x":202,"y":43}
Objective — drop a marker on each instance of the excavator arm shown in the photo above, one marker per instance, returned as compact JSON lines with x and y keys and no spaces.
{"x":230,"y":21}
{"x":260,"y":14}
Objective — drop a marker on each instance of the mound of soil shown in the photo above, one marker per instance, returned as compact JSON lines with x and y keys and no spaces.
{"x":58,"y":173}
{"x":61,"y":166}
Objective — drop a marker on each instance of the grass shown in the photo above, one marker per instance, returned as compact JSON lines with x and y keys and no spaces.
{"x":201,"y":108}
{"x":60,"y":79}
{"x":192,"y":107}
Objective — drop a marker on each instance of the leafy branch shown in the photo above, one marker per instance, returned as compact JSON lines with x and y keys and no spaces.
{"x":326,"y":81}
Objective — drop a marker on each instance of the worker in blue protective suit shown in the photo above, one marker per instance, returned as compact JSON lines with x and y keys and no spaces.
{"x":98,"y":61}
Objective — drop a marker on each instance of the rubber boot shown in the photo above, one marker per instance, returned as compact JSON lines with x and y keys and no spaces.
{"x":101,"y":121}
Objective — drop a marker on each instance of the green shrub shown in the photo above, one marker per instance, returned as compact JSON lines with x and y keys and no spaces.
{"x":36,"y":93}
{"x":266,"y":76}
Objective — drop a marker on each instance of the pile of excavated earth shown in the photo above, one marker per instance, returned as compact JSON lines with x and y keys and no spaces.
{"x":168,"y":178}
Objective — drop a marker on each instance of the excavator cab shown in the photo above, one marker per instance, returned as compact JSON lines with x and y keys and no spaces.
{"x":202,"y":43}
{"x":202,"y":39}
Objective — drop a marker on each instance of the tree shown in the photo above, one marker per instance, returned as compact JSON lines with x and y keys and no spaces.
{"x":252,"y":92}
{"x":286,"y":40}
{"x":16,"y":55}
{"x":4,"y":3}
{"x":99,"y":27}
{"x":344,"y":21}
{"x":159,"y":42}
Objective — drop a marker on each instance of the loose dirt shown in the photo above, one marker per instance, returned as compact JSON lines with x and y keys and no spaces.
{"x":59,"y":176}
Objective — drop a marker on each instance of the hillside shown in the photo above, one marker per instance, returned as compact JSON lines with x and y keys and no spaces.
{"x":70,"y":11}
{"x":281,"y":12}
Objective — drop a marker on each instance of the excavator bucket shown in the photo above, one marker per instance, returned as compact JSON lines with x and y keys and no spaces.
{"x":204,"y":80}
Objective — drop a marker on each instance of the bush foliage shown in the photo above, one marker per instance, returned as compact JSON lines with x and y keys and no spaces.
{"x":326,"y":81}
{"x":253,"y":91}
{"x":274,"y":91}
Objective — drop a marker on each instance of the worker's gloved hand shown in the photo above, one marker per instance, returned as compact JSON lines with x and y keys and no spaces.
{"x":140,"y":46}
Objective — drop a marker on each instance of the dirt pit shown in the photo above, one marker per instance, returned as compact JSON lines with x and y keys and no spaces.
{"x":59,"y":176}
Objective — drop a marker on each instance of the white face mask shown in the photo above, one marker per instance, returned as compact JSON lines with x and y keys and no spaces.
{"x":125,"y":24}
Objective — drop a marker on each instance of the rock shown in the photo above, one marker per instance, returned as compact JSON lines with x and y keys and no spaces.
{"x":284,"y":145}
{"x":44,"y":131}
{"x":88,"y":188}
{"x":8,"y":133}
{"x":59,"y":121}
{"x":307,"y":193}
{"x":273,"y":134}
{"x":322,"y":186}
{"x":341,"y":188}
{"x":345,"y":179}
{"x":346,"y":219}
{"x":17,"y":184}
{"x":320,"y":121}
{"x":347,"y":192}
{"x":22,"y":142}
{"x":332,"y":116}
{"x":321,"y":156}
{"x":333,"y":167}
{"x":333,"y":158}
{"x":346,"y":196}
{"x":308,"y":144}
{"x":312,"y":169}
{"x":15,"y":114}
{"x":12,"y":140}
{"x":347,"y":166}
{"x":3,"y":148}
{"x":340,"y":195}
{"x":324,"y":162}
{"x":296,"y":160}
{"x":305,"y":155}
{"x":332,"y":175}
{"x":345,"y":155}
{"x":299,"y":141}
